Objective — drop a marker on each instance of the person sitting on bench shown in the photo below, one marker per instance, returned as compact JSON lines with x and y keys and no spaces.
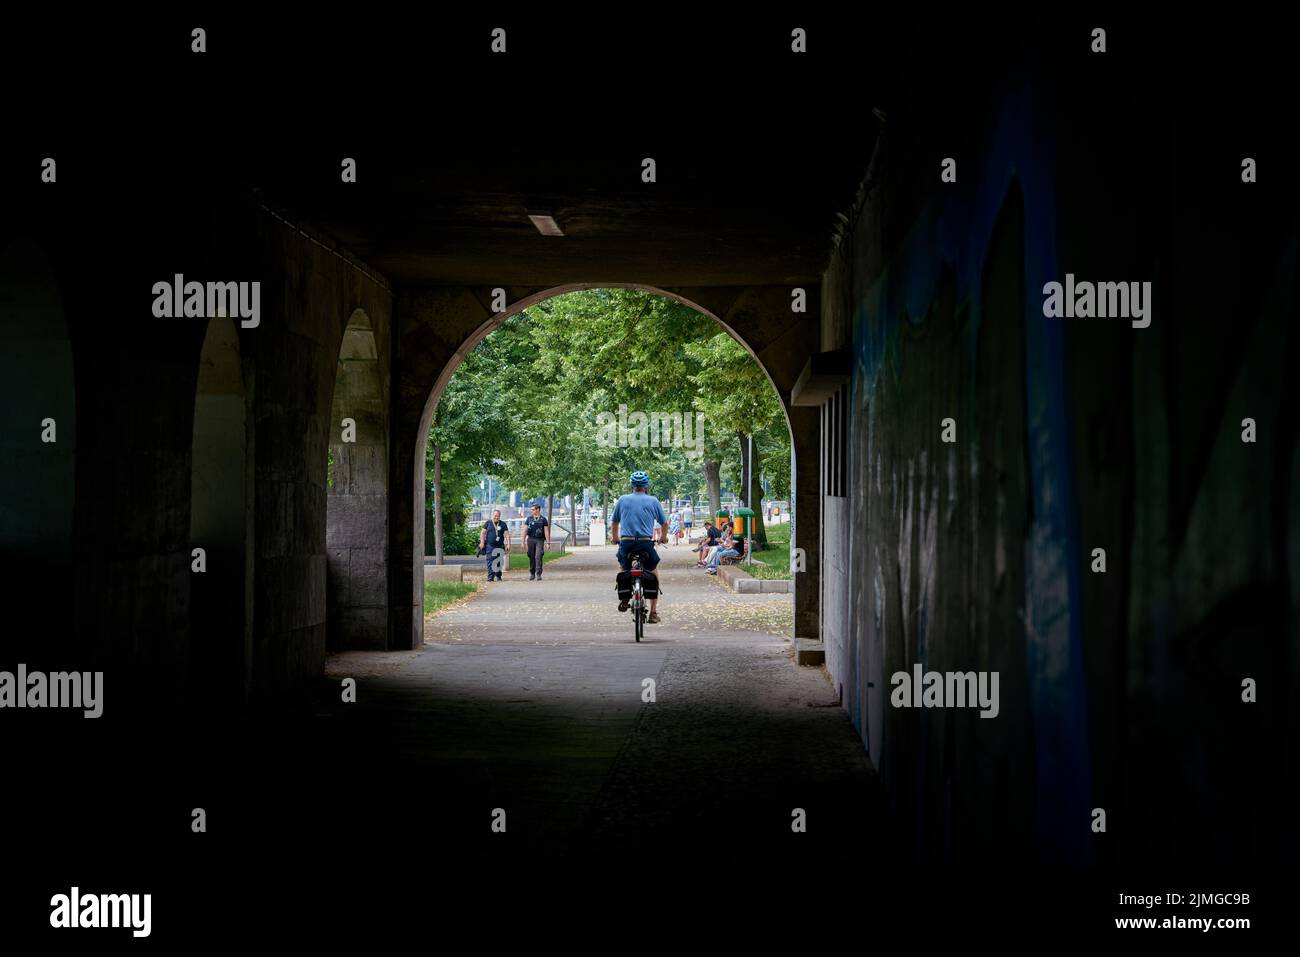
{"x":723,"y":540}
{"x":711,"y":535}
{"x":729,"y":547}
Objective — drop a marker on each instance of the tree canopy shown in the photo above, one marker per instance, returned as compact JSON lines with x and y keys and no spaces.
{"x":579,"y":390}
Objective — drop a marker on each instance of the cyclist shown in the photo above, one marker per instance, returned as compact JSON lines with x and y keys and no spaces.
{"x":632,"y":527}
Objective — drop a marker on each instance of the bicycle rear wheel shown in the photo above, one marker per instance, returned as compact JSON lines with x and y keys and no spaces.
{"x":638,"y":614}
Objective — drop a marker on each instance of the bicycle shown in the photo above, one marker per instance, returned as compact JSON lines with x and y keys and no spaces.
{"x":637,"y":604}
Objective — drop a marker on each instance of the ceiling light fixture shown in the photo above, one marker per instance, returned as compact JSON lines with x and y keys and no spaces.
{"x":545,"y":223}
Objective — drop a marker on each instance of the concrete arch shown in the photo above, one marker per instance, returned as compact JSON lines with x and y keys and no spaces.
{"x":762,"y":335}
{"x":220,"y":521}
{"x":356,"y":529}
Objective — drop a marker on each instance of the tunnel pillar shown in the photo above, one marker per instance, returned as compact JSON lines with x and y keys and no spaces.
{"x":312,"y":292}
{"x":356,"y":536}
{"x":437,"y":327}
{"x":805,"y":530}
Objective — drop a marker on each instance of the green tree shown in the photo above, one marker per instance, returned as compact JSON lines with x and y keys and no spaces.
{"x":735,"y":395}
{"x":525,"y":405}
{"x":475,"y":424}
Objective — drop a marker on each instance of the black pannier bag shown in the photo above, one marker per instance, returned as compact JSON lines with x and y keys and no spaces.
{"x":649,"y":585}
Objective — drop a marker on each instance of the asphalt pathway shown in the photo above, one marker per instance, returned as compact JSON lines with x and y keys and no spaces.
{"x":531,"y":697}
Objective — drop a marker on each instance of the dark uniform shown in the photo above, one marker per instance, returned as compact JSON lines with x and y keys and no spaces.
{"x":494,"y":545}
{"x":535,"y":532}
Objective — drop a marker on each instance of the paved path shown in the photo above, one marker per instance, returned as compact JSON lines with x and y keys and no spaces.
{"x":575,"y":602}
{"x":528,"y":697}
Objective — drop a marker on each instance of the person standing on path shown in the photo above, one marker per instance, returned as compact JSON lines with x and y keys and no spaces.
{"x":675,"y":528}
{"x":494,"y":542}
{"x":538,"y":534}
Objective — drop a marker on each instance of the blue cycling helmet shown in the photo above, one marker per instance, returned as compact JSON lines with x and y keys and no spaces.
{"x":640,"y":479}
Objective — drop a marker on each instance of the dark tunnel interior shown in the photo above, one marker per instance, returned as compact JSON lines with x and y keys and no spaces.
{"x":1100,"y":508}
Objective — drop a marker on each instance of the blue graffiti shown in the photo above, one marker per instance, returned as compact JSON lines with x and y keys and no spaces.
{"x":955,"y":233}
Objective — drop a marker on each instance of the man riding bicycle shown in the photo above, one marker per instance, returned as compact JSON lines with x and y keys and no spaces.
{"x":632,"y":527}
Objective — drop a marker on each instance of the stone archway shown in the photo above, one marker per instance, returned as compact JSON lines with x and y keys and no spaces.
{"x":761,"y":320}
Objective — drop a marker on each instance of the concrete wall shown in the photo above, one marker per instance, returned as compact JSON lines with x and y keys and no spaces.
{"x":1071,"y":435}
{"x":221,"y":521}
{"x":356,"y":536}
{"x":309,"y":296}
{"x":836,"y":584}
{"x":140,"y":449}
{"x":37,"y":478}
{"x":36,"y":367}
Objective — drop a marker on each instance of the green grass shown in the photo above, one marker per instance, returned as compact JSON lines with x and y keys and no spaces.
{"x":440,"y":594}
{"x":776,"y":557}
{"x":520,"y":562}
{"x":770,"y":568}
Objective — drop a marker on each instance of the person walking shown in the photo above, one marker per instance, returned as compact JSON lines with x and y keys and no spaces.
{"x":494,"y":542}
{"x":675,"y":527}
{"x":537,"y":531}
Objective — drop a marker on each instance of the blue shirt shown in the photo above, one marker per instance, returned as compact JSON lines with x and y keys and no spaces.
{"x":636,"y":514}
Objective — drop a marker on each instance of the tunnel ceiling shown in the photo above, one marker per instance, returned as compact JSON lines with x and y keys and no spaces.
{"x":722,"y":211}
{"x":757,"y":149}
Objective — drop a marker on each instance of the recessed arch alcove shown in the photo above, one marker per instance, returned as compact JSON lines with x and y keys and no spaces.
{"x":356,"y":530}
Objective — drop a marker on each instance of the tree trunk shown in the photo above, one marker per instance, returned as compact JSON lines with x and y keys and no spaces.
{"x":437,"y":503}
{"x":550,"y":513}
{"x":715,"y":487}
{"x":754,"y":498}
